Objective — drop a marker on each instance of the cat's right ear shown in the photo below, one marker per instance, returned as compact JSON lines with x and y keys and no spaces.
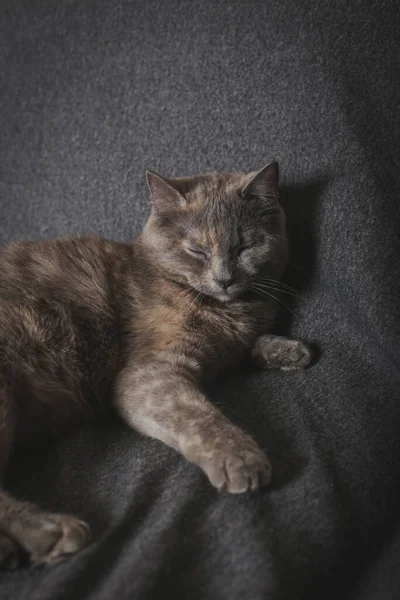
{"x":163,"y":196}
{"x":263,"y":183}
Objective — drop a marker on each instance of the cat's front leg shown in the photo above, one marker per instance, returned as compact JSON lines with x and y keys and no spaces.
{"x":275,"y":352}
{"x":168,"y":406}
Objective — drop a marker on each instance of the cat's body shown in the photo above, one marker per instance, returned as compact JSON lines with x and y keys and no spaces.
{"x":86,"y":324}
{"x":70,"y":335}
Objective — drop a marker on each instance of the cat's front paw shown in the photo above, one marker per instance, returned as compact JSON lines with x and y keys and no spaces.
{"x":281,"y":353}
{"x":240,"y":468}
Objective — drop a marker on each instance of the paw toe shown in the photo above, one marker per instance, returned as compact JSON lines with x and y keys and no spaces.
{"x":298,"y":357}
{"x":239,"y":472}
{"x":74,"y":535}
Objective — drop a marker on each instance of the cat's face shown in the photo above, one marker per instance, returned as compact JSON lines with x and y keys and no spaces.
{"x":218,"y":233}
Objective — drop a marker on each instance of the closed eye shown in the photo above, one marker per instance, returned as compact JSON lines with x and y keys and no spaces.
{"x":196,"y":252}
{"x":243,"y":248}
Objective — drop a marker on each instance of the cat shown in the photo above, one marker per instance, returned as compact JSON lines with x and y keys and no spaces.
{"x":86,"y":323}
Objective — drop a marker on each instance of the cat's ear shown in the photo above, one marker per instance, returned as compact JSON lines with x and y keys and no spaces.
{"x":263,"y":183}
{"x":163,"y":194}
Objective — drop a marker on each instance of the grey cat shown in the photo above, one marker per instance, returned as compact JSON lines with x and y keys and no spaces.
{"x":86,"y":323}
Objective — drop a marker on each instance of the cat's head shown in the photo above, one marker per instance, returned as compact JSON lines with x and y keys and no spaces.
{"x":218,"y":233}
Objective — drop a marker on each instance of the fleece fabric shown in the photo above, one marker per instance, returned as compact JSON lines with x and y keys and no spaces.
{"x":92,"y":94}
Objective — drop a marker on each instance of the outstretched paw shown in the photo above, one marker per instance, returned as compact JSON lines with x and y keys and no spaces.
{"x":237,"y":465}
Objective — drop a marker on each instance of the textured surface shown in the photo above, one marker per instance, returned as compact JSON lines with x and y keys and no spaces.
{"x":93,"y":93}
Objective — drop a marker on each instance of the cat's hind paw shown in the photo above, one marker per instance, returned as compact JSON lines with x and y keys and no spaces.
{"x":42,"y":538}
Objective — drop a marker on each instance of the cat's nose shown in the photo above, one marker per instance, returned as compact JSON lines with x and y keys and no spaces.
{"x":225,"y":283}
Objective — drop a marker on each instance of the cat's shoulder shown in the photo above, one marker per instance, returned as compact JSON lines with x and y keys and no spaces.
{"x":82,"y":261}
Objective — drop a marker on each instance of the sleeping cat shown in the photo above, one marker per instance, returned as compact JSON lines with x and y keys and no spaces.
{"x":85,"y":322}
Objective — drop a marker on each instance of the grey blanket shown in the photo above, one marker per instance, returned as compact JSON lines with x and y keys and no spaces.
{"x":93,"y":93}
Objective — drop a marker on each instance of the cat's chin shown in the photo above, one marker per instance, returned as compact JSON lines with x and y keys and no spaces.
{"x":224,"y":298}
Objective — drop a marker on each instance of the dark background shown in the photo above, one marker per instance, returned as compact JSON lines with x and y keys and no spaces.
{"x":92,"y":94}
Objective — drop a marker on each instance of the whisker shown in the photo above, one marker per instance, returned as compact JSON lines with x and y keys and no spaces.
{"x":262,"y":292}
{"x":297,"y":266}
{"x":276,"y":283}
{"x":290,"y":263}
{"x":268,"y":280}
{"x":272,"y":279}
{"x":277,"y":289}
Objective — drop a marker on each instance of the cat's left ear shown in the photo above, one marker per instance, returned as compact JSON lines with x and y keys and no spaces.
{"x":263,"y":183}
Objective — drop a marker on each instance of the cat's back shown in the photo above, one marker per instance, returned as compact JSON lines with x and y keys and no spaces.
{"x":81,"y":270}
{"x":59,"y":325}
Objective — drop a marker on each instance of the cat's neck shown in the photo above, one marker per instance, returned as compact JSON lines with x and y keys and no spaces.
{"x":154,"y":281}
